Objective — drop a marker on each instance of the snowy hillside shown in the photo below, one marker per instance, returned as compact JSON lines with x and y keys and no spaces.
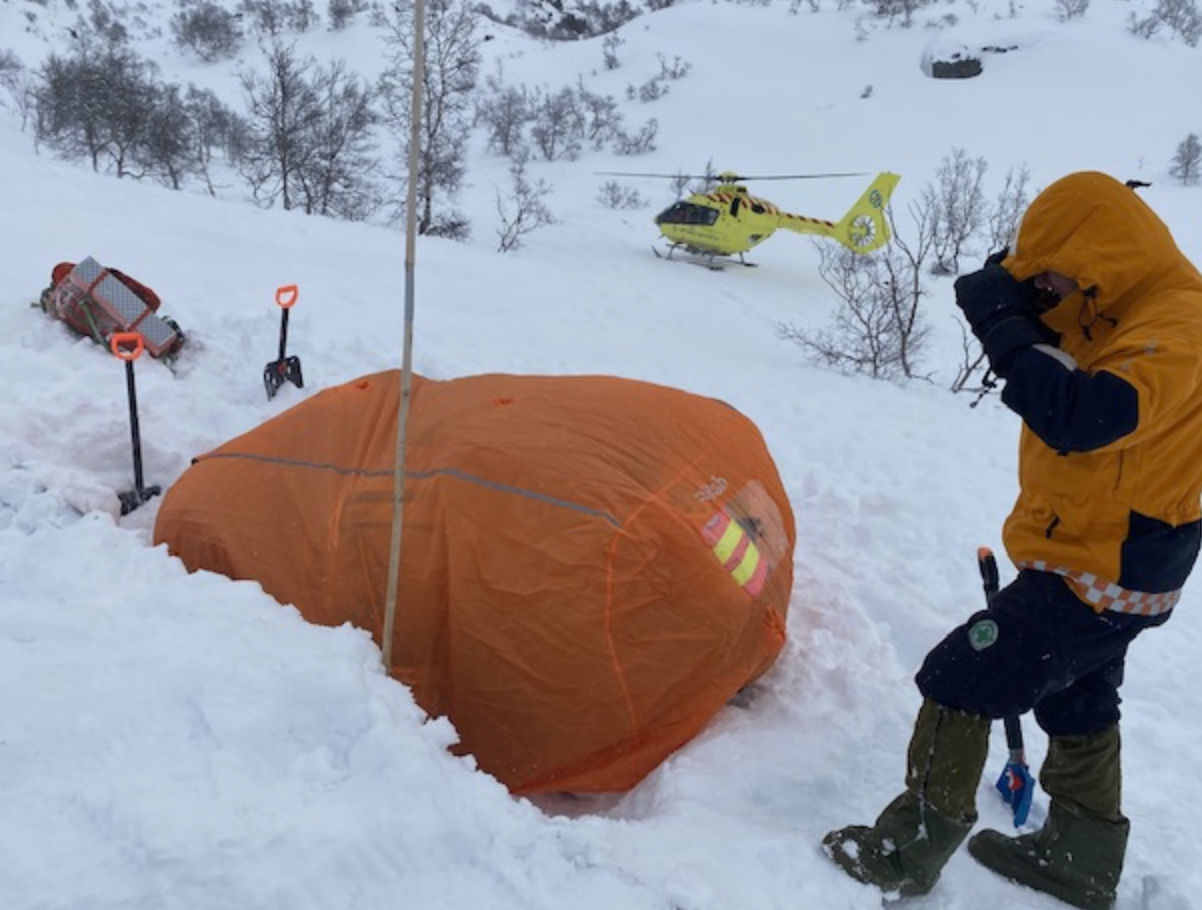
{"x":183,"y":741}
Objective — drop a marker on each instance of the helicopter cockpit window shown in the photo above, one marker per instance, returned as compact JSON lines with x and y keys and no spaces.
{"x":687,"y":213}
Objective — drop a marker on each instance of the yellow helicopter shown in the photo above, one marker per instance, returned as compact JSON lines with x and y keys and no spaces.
{"x":728,"y":221}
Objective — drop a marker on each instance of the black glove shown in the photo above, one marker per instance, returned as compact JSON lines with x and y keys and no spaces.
{"x":1044,"y":300}
{"x":995,"y":258}
{"x":1002,"y":313}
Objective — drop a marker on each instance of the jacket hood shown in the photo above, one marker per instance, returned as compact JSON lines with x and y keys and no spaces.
{"x":1094,"y":229}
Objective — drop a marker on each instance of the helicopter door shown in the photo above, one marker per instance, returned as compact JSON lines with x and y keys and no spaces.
{"x":734,"y":207}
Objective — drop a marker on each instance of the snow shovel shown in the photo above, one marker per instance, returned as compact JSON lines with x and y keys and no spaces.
{"x":128,"y":346}
{"x":286,"y":369}
{"x":1016,"y":785}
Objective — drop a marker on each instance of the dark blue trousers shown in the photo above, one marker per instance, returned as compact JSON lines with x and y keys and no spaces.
{"x":1037,"y":647}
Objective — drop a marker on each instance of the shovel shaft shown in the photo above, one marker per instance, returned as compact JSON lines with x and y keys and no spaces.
{"x":987,"y":563}
{"x":1015,"y":782}
{"x":990,"y":580}
{"x":283,"y":332}
{"x":1014,"y":739}
{"x":134,"y":432}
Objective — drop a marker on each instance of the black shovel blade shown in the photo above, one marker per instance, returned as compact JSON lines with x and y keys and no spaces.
{"x":276,"y":373}
{"x":134,"y":498}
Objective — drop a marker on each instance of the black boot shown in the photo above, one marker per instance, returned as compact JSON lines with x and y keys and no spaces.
{"x":1078,"y":854}
{"x":918,"y":832}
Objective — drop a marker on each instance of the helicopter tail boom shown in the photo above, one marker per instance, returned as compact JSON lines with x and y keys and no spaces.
{"x":864,"y":228}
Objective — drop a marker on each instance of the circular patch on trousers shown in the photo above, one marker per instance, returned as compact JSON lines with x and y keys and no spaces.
{"x":982,"y":634}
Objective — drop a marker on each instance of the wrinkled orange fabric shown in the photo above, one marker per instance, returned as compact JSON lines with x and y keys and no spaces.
{"x":591,"y":566}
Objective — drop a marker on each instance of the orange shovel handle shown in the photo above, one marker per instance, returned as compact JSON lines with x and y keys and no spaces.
{"x":286,"y":296}
{"x":127,"y":346}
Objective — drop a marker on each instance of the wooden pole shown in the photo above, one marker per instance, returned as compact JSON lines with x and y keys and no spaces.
{"x":399,"y":476}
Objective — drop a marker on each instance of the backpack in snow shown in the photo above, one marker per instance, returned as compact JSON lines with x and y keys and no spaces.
{"x":98,"y":301}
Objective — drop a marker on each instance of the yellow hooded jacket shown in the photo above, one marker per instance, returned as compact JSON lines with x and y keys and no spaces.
{"x":1110,"y":457}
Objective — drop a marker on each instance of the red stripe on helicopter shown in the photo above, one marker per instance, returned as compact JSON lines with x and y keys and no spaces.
{"x":808,"y":220}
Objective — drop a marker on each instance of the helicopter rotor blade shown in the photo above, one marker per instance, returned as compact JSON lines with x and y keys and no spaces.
{"x":664,"y":176}
{"x":734,"y":178}
{"x":802,"y":176}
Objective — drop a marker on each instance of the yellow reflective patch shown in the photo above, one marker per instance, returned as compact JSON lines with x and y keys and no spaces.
{"x":725,"y":547}
{"x":745,"y":569}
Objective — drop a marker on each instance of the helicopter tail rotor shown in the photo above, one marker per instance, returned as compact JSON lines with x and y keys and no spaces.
{"x":864,"y":228}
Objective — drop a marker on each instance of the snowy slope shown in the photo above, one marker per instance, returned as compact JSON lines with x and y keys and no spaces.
{"x":182,"y":741}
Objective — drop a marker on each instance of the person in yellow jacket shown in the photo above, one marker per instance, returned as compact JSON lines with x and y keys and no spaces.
{"x":1094,"y":321}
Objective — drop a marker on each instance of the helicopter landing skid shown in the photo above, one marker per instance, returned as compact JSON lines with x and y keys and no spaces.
{"x":711,"y":261}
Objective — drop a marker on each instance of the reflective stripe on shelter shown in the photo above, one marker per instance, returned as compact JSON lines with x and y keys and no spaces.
{"x":736,"y":551}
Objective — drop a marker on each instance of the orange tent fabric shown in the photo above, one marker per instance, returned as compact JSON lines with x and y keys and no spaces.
{"x":591,"y":566}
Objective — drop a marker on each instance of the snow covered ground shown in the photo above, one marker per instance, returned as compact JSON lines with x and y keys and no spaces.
{"x":182,"y":741}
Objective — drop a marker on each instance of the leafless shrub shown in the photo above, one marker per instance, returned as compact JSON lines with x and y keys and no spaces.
{"x":271,"y":18}
{"x":896,"y":10}
{"x":880,"y":328}
{"x":639,"y":143}
{"x":208,"y":30}
{"x":452,"y":62}
{"x":11,"y":72}
{"x":94,"y":103}
{"x":1143,"y":28}
{"x":615,"y":196}
{"x":557,"y":125}
{"x":341,"y":12}
{"x":703,"y":184}
{"x":1181,"y":16}
{"x":1071,"y":9}
{"x":601,"y":122}
{"x":675,"y":70}
{"x":505,"y":112}
{"x":957,"y":206}
{"x":310,"y":136}
{"x":972,"y":364}
{"x":1008,"y":207}
{"x":651,"y":90}
{"x":867,"y":334}
{"x":609,"y":50}
{"x":524,"y":211}
{"x":1187,"y":162}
